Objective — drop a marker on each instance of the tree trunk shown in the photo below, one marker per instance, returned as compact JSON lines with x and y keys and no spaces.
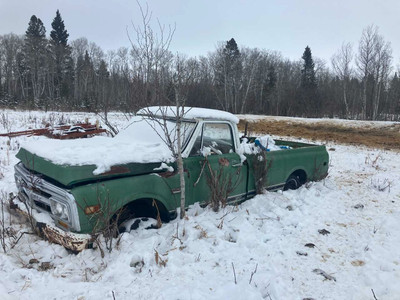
{"x":179,"y":158}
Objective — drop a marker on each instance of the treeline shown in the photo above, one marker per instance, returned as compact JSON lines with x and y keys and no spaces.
{"x":40,"y":72}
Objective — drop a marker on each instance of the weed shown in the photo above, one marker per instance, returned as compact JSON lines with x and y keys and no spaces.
{"x":381,"y":186}
{"x":373,"y":162}
{"x":159,"y":260}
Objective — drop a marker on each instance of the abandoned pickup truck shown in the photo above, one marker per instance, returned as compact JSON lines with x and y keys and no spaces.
{"x":72,"y":181}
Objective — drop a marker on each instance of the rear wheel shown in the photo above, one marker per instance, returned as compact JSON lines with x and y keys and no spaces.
{"x":292,"y":183}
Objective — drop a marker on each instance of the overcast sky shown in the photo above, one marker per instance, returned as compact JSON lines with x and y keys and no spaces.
{"x":287,"y":26}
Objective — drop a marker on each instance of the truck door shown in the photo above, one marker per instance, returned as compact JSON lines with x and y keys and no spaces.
{"x":213,"y":161}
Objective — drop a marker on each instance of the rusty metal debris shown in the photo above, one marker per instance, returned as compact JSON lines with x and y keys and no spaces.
{"x":61,"y":132}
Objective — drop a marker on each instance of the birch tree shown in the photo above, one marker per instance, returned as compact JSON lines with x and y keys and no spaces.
{"x":382,"y":69}
{"x":365,"y":62}
{"x":341,"y":63}
{"x":374,"y":65}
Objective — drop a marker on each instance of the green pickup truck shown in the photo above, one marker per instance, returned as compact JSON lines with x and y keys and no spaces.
{"x":72,"y":181}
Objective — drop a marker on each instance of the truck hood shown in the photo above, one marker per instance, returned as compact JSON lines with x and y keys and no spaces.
{"x":74,"y":161}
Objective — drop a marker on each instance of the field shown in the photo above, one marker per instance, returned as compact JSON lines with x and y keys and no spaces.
{"x":334,"y":239}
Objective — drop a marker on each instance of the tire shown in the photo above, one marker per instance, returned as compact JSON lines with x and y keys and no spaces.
{"x":137,"y":223}
{"x":292,"y":183}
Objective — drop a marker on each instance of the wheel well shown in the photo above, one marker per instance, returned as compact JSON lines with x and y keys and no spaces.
{"x":150,"y":208}
{"x":301,"y":174}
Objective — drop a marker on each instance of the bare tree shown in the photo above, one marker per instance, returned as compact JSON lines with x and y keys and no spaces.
{"x":251,"y":60}
{"x":341,"y":62}
{"x":79,"y":47}
{"x":365,"y":61}
{"x":374,"y":65}
{"x":152,"y":60}
{"x":151,"y":55}
{"x":159,"y":118}
{"x":382,"y":69}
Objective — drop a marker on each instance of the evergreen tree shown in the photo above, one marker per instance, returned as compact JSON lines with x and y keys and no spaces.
{"x":309,"y":102}
{"x":34,"y":58}
{"x":59,"y":34}
{"x":61,"y":59}
{"x":308,"y":72}
{"x":231,"y":51}
{"x":87,"y":82}
{"x":268,"y":90}
{"x":103,"y":86}
{"x":394,"y":95}
{"x":231,"y":72}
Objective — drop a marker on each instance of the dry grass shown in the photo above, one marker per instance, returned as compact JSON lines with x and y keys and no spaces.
{"x":385,"y":137}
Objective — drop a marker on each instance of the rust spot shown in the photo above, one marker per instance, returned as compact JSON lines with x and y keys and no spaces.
{"x":223,"y":162}
{"x":166,"y":174}
{"x":116,"y":170}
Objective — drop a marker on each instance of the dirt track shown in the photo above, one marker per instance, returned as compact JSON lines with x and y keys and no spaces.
{"x":384,"y":137}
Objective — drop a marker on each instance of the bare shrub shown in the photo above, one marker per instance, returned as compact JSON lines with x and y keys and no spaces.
{"x":381,"y":185}
{"x":5,"y":122}
{"x":106,"y":221}
{"x":373,"y":162}
{"x":261,"y":166}
{"x":220,"y":183}
{"x":2,"y":224}
{"x":9,"y":237}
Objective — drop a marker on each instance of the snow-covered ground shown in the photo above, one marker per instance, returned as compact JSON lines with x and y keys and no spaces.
{"x":261,"y":242}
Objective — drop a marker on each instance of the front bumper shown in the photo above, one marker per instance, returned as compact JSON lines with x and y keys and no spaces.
{"x":72,"y":241}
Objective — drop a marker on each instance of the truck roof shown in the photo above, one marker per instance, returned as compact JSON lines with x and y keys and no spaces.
{"x":190,"y":113}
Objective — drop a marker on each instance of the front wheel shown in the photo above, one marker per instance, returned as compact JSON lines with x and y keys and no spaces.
{"x":137,"y":223}
{"x":293,"y":183}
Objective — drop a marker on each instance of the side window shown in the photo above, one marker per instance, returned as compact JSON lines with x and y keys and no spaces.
{"x":196,"y":150}
{"x":216,"y":138}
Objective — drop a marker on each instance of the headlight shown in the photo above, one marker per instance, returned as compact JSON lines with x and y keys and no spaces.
{"x":59,"y":210}
{"x":19,"y":182}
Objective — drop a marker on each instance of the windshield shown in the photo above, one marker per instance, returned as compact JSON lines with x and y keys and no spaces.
{"x":146,"y":130}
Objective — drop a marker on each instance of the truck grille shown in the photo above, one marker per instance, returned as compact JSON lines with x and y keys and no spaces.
{"x":38,"y":194}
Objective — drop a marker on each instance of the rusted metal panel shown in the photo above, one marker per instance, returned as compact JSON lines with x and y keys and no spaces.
{"x":61,"y":132}
{"x":69,"y":240}
{"x":76,"y":135}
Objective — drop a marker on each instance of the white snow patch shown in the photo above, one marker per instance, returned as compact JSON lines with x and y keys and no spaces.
{"x":164,"y":166}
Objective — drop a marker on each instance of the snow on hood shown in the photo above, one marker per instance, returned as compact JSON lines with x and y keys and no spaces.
{"x":138,"y":143}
